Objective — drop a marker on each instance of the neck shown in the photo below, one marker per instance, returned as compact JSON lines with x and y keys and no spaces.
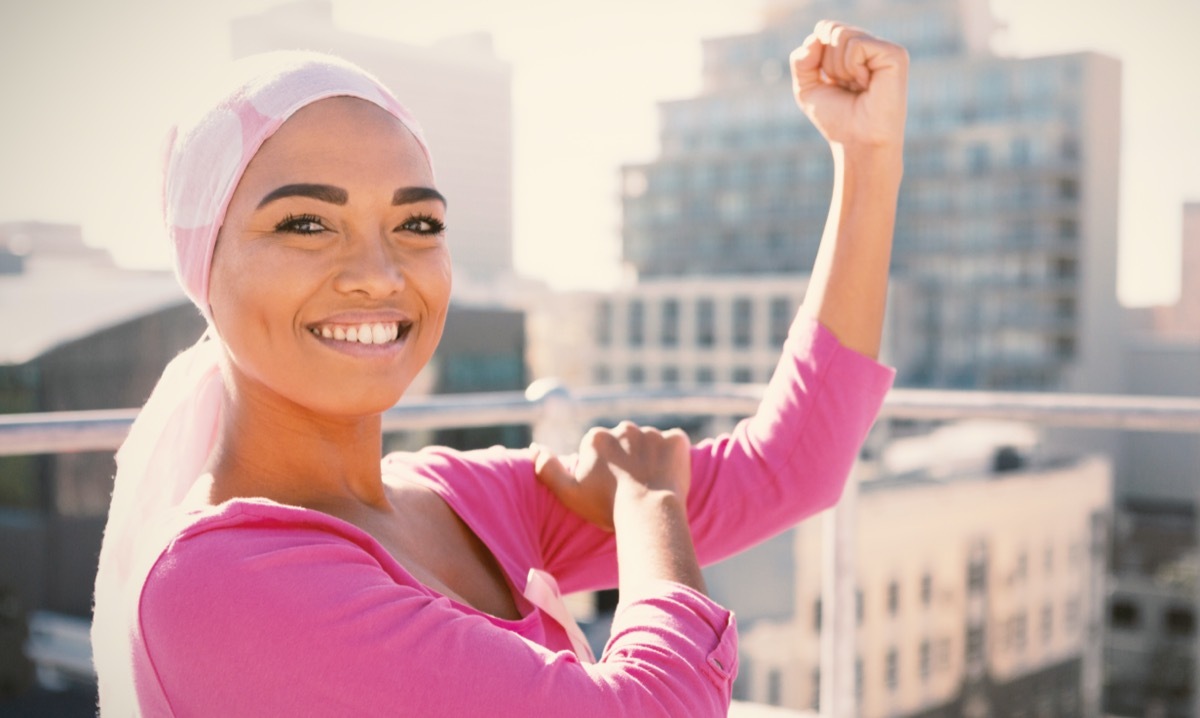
{"x":275,"y":449}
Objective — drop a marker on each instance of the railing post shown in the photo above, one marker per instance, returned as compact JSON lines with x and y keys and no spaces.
{"x":557,"y":426}
{"x":839,"y":607}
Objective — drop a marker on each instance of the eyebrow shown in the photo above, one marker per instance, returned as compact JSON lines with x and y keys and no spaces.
{"x":323,"y":192}
{"x":411,"y":195}
{"x":339,"y":196}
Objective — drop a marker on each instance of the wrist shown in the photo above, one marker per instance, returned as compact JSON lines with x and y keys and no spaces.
{"x":634,"y":497}
{"x":878,"y":162}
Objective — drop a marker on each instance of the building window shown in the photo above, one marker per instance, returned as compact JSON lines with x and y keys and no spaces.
{"x":893,"y":598}
{"x":858,"y":606}
{"x":704,"y":375}
{"x":636,"y":375}
{"x":1179,"y":621}
{"x":974,"y":645}
{"x":926,"y":590}
{"x":817,"y":615}
{"x":815,"y":702}
{"x":943,"y":654}
{"x":780,"y":319}
{"x":670,"y":322}
{"x":706,"y":323}
{"x":978,"y":158}
{"x":1020,"y":152}
{"x":1068,"y":189}
{"x":637,"y":323}
{"x":601,"y":375}
{"x":1047,"y":623}
{"x":1018,"y":628}
{"x":925,"y":659}
{"x":858,"y":678}
{"x":1064,"y":268}
{"x":742,"y":375}
{"x":976,"y":577}
{"x":774,"y":687}
{"x":892,"y":669}
{"x":1071,"y":615}
{"x":670,"y":375}
{"x":743,"y":322}
{"x":604,"y":312}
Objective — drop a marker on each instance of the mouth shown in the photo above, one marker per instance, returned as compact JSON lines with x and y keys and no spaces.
{"x":370,"y":333}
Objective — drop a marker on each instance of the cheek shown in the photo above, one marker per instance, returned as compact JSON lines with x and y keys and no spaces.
{"x":249,"y":296}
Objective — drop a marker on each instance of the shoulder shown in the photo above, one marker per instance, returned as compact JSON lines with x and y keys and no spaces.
{"x":248,"y":547}
{"x":464,"y":478}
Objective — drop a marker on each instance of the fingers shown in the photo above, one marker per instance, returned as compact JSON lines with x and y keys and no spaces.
{"x":839,"y":54}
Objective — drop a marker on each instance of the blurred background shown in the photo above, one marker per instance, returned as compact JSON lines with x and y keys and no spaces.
{"x":635,"y":202}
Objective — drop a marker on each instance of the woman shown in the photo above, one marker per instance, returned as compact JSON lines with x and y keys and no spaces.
{"x":260,"y":560}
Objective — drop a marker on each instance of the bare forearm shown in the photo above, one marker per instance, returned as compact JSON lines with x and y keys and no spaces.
{"x":848,"y":289}
{"x":654,"y":541}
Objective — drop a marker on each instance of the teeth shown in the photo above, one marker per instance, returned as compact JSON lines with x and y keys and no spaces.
{"x":375,"y":333}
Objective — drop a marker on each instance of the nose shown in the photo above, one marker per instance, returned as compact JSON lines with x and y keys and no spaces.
{"x":370,"y":266}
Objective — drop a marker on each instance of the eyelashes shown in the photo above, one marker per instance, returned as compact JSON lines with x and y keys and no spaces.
{"x":424,"y":224}
{"x":310,"y":224}
{"x":306,"y":224}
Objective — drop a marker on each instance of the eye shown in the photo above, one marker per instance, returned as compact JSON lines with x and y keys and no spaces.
{"x":300,"y":224}
{"x":423,"y":224}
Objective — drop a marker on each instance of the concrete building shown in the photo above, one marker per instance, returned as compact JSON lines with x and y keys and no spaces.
{"x":1007,"y":216}
{"x":445,"y":85}
{"x":980,"y":593}
{"x":1151,"y":653}
{"x":1180,"y":322}
{"x":684,"y":331}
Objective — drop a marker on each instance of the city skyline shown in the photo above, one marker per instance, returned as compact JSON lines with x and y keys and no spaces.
{"x":118,"y":72}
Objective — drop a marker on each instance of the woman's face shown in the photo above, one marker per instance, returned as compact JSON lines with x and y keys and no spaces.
{"x":331,"y":276}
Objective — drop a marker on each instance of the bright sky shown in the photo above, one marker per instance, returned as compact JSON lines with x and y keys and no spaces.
{"x":87,"y":86}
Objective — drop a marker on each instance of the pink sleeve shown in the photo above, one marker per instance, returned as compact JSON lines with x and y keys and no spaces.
{"x":787,"y":462}
{"x":268,"y":620}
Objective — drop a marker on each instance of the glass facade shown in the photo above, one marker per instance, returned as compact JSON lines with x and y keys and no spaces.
{"x":990,"y":213}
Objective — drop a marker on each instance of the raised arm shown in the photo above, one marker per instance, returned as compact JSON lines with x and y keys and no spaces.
{"x":853,"y":88}
{"x":792,"y":458}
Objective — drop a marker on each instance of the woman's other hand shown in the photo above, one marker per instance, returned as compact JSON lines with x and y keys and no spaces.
{"x":625,"y":462}
{"x":852,"y":86}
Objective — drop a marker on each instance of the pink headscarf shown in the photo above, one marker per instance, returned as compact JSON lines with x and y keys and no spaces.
{"x":175,"y":432}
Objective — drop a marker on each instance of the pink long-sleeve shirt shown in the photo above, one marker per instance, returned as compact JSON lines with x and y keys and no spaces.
{"x":256,"y":608}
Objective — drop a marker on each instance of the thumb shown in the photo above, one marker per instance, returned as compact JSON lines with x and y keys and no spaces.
{"x":806,"y":64}
{"x":550,"y":470}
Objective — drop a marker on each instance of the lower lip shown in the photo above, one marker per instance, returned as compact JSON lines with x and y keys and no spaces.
{"x":364,"y":351}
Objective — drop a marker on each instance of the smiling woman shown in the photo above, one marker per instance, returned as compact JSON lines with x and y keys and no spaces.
{"x":261,"y":559}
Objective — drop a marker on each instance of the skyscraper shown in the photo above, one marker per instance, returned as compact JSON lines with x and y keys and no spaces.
{"x":1006,"y":230}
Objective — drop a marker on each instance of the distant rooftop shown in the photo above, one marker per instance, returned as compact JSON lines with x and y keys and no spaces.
{"x":61,"y":290}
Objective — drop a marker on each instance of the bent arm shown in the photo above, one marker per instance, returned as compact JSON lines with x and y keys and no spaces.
{"x":267,"y":622}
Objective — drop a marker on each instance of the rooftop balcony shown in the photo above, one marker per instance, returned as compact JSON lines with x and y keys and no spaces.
{"x":558,"y":416}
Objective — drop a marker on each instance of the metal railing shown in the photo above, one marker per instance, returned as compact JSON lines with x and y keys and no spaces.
{"x":559,"y":417}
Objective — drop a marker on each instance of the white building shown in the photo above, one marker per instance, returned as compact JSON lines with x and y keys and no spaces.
{"x":981,"y":590}
{"x":682,"y":331}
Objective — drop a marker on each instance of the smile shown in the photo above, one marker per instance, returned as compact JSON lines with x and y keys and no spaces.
{"x":366,"y":333}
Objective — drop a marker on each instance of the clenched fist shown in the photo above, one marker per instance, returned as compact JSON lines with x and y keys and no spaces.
{"x":851,"y":85}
